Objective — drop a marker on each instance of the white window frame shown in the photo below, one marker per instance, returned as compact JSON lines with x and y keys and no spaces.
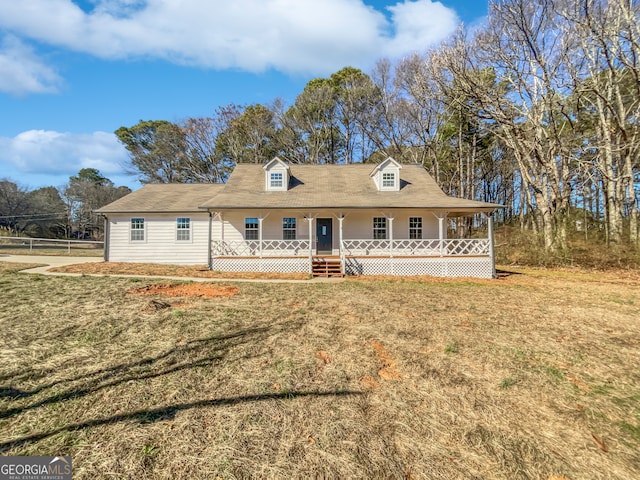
{"x":180,"y":229}
{"x":380,"y":225}
{"x":289,"y":226}
{"x":134,"y":227}
{"x":388,"y":180}
{"x":254,"y":231}
{"x":276,"y":180}
{"x":415,"y":228}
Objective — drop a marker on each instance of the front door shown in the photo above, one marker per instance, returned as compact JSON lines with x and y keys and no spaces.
{"x":324,"y":238}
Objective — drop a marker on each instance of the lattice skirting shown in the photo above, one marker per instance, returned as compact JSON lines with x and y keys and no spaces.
{"x":479,"y":267}
{"x":266,"y":264}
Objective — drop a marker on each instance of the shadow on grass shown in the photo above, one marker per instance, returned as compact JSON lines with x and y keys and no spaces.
{"x":200,"y":352}
{"x":168,"y":412}
{"x":506,"y":273}
{"x":105,"y":373}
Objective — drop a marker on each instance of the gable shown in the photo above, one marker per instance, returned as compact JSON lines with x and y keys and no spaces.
{"x":386,"y":175}
{"x":276,"y":178}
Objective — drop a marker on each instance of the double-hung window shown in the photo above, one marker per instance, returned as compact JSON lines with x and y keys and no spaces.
{"x":289,"y":228}
{"x":275,"y":180}
{"x":183,"y":229}
{"x":379,"y":228}
{"x":137,"y":230}
{"x":251,"y":229}
{"x":388,"y":180}
{"x":415,"y":228}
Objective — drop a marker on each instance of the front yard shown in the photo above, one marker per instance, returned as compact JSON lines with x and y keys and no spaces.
{"x":533,"y":376}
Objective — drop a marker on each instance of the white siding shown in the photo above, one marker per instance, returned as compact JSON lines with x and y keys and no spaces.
{"x":160,"y":244}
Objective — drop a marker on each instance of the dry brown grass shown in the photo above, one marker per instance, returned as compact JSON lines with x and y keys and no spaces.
{"x":56,"y":251}
{"x":533,"y":376}
{"x":145,"y":269}
{"x":8,"y":267}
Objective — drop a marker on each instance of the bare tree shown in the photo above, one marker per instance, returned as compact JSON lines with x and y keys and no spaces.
{"x":515,"y":72}
{"x":606,"y":74}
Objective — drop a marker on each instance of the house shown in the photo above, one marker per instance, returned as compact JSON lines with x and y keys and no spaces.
{"x":322,"y":219}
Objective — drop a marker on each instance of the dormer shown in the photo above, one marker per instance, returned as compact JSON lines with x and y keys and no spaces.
{"x":276,"y":176}
{"x":386,"y":175}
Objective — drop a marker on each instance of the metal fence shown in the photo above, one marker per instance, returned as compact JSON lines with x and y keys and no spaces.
{"x":50,"y":246}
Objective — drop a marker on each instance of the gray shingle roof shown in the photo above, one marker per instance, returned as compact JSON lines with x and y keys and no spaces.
{"x":311,"y":187}
{"x":337,"y":186}
{"x":159,"y":198}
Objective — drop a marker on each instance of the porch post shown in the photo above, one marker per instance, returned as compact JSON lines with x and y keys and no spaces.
{"x":441,"y":218}
{"x":210,"y":253}
{"x":221,"y":217}
{"x":390,"y":236}
{"x":260,"y":219}
{"x":341,"y":250}
{"x":491,"y":244}
{"x":310,"y":219}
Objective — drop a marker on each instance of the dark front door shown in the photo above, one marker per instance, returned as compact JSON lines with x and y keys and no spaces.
{"x":324,"y":238}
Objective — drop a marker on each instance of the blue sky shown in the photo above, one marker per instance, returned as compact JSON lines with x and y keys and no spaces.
{"x":73,"y":71}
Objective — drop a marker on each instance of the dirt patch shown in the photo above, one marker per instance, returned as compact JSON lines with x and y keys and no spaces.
{"x":324,"y":356}
{"x":389,"y":370}
{"x":189,"y":290}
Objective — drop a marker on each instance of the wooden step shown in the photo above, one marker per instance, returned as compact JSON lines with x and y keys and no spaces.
{"x":326,"y":266}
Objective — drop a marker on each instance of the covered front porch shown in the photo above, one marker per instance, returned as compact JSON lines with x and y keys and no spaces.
{"x":326,"y":241}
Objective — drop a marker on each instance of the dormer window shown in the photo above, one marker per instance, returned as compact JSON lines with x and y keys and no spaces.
{"x":276,"y":176}
{"x":388,"y":180}
{"x":275,"y":180}
{"x":386,"y":176}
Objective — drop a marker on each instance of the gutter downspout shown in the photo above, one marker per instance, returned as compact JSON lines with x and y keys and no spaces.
{"x":107,"y":234}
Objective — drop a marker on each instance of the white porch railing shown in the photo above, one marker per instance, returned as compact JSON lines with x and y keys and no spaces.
{"x":365,"y":247}
{"x":450,"y":247}
{"x":257,"y":248}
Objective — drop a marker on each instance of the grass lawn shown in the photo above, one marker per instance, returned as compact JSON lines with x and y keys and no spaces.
{"x":533,"y":376}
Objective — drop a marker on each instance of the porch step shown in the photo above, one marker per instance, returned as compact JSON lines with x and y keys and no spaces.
{"x":326,"y":267}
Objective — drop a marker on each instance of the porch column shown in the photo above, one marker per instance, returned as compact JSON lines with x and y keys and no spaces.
{"x":491,"y":244}
{"x":210,"y":253}
{"x":341,"y":235}
{"x":310,"y":219}
{"x":260,"y":219}
{"x":221,"y":217}
{"x":390,"y":236}
{"x":441,"y":218}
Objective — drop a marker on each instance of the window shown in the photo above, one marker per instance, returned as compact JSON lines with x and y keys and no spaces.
{"x":288,"y":228}
{"x":415,"y":228}
{"x":388,"y":180}
{"x":379,"y":228}
{"x":251,"y":229}
{"x":183,"y":229}
{"x":275,"y":180}
{"x":137,"y":229}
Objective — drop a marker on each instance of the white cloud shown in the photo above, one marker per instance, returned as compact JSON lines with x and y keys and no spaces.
{"x":22,"y":72}
{"x":37,"y":152}
{"x":300,"y":36}
{"x":418,"y":25}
